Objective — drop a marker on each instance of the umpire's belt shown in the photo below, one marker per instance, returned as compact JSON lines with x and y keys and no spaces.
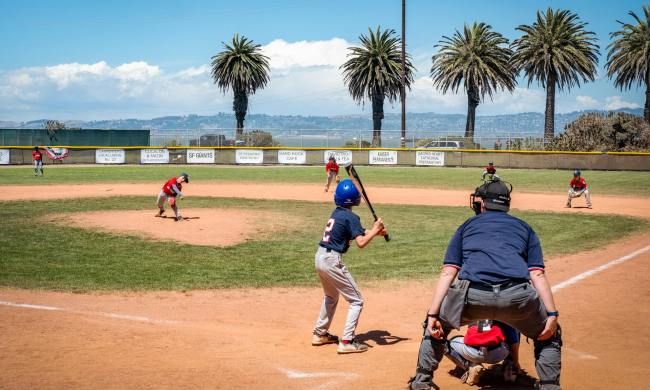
{"x":497,"y":287}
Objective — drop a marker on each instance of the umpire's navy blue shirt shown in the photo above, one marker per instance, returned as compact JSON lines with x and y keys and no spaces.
{"x":343,"y":226}
{"x":494,"y":247}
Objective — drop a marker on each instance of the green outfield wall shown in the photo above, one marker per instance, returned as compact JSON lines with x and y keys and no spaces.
{"x":21,"y":155}
{"x":76,"y":137}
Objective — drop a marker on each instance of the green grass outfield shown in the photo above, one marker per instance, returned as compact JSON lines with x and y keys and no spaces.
{"x":530,"y":180}
{"x":44,"y":256}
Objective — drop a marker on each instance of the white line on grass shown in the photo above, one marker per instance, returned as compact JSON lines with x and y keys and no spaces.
{"x":97,"y":313}
{"x":596,"y":270}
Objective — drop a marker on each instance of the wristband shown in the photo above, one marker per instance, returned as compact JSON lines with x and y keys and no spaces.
{"x":433,"y":315}
{"x":553,"y":313}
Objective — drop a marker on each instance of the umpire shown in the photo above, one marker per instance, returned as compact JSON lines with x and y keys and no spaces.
{"x":502,"y":278}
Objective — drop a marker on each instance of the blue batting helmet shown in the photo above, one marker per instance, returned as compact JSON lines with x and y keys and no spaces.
{"x":346,"y":194}
{"x":576,"y":172}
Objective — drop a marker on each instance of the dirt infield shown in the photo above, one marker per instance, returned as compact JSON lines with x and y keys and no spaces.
{"x":214,"y":227}
{"x":243,"y":339}
{"x":638,"y":207}
{"x":260,"y":338}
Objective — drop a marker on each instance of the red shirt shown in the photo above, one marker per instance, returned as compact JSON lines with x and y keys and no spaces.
{"x":490,"y":169}
{"x":332,"y":166}
{"x":167,"y":188}
{"x":492,"y":337}
{"x":37,"y":156}
{"x":578,"y":183}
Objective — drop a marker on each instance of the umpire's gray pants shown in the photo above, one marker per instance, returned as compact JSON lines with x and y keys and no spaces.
{"x":518,"y":306}
{"x":336,"y":280}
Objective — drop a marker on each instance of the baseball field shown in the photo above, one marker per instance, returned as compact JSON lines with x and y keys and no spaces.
{"x":95,"y":292}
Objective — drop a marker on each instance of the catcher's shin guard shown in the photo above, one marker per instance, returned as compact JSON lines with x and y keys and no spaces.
{"x":548,"y":362}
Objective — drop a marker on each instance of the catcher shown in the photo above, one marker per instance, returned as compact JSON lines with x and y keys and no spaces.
{"x":332,"y":169}
{"x":169,"y":192}
{"x":577,"y":188}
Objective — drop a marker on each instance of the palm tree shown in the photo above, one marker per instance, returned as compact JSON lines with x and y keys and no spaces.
{"x":479,"y":60}
{"x":556,"y":51}
{"x":244,"y":69}
{"x":373,"y":71}
{"x":629,"y":56}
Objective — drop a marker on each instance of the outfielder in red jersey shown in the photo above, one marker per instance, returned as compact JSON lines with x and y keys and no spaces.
{"x":37,"y":156}
{"x":332,"y":169}
{"x":577,"y":188}
{"x":170,"y":191}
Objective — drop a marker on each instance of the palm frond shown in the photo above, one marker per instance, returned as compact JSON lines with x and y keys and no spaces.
{"x":241,"y":66}
{"x":628,"y":58}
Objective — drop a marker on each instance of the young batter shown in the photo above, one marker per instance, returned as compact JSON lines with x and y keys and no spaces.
{"x":37,"y":156}
{"x":342,"y":227}
{"x":170,"y":190}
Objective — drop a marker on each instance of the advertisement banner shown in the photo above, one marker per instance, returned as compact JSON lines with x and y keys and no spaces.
{"x":292,"y":156}
{"x":343,"y":157}
{"x":382,"y":157}
{"x":110,"y":156}
{"x":4,"y":156}
{"x":427,"y":157}
{"x":249,"y":156}
{"x":56,"y":153}
{"x":200,"y":156}
{"x":154,"y":156}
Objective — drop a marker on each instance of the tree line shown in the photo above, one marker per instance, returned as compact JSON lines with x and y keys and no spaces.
{"x":556,"y":51}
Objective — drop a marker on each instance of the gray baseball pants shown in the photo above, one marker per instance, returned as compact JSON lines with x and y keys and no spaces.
{"x":518,"y":306}
{"x":336,"y":280}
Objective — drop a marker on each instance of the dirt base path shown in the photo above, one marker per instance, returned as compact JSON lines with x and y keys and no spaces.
{"x":638,"y":207}
{"x":245,"y":339}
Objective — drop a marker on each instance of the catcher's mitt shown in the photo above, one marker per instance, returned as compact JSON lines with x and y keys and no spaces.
{"x":338,"y":178}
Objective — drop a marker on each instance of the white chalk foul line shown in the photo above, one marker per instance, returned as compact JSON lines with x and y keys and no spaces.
{"x":596,"y":270}
{"x":96,"y":313}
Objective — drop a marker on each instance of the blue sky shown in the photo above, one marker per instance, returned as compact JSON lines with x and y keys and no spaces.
{"x":100,"y":60}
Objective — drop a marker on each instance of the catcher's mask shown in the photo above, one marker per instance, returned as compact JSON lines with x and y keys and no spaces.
{"x":495,"y":195}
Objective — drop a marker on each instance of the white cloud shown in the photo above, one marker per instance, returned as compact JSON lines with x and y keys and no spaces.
{"x":285,"y":55}
{"x":587,"y":102}
{"x":617,"y":102}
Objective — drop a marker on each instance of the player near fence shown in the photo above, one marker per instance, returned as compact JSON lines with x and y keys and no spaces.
{"x":171,"y":192}
{"x":332,"y":169}
{"x":37,"y":156}
{"x":490,"y":172}
{"x":342,"y":227}
{"x":577,"y":188}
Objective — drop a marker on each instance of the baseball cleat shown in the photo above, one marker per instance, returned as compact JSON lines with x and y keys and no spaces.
{"x":473,"y":375}
{"x":352,"y":346}
{"x":160,"y":213}
{"x":322,"y":339}
{"x":179,"y":218}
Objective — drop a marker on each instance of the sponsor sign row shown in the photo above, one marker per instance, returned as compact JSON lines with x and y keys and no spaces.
{"x":256,"y":156}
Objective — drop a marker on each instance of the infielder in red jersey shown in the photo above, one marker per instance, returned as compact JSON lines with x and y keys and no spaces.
{"x":577,"y":188}
{"x":37,"y":156}
{"x":490,"y":171}
{"x":332,"y":169}
{"x":170,"y":191}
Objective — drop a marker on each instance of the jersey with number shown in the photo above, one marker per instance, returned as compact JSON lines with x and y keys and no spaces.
{"x":37,"y":156}
{"x":343,"y":226}
{"x":170,"y":187}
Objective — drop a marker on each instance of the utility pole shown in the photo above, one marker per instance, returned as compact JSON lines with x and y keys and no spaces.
{"x":402,"y":91}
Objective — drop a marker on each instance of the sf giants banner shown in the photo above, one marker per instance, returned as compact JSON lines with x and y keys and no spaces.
{"x":4,"y":156}
{"x":154,"y":156}
{"x":56,"y":153}
{"x":382,"y":157}
{"x":110,"y":156}
{"x":436,"y":159}
{"x":200,"y":156}
{"x":292,"y":156}
{"x":343,"y":157}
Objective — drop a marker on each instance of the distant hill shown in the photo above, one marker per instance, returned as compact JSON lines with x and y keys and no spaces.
{"x":448,"y":123}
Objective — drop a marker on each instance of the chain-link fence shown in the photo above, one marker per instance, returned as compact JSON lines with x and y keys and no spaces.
{"x":346,"y":138}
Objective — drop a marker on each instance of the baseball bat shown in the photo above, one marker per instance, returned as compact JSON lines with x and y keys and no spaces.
{"x":357,"y":181}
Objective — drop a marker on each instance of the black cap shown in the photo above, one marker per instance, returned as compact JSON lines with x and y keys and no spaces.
{"x":496,"y":195}
{"x":186,"y":176}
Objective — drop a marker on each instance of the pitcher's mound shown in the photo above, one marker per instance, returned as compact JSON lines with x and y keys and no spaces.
{"x":214,"y":227}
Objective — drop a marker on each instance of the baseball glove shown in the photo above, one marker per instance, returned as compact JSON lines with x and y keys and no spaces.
{"x":338,"y":178}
